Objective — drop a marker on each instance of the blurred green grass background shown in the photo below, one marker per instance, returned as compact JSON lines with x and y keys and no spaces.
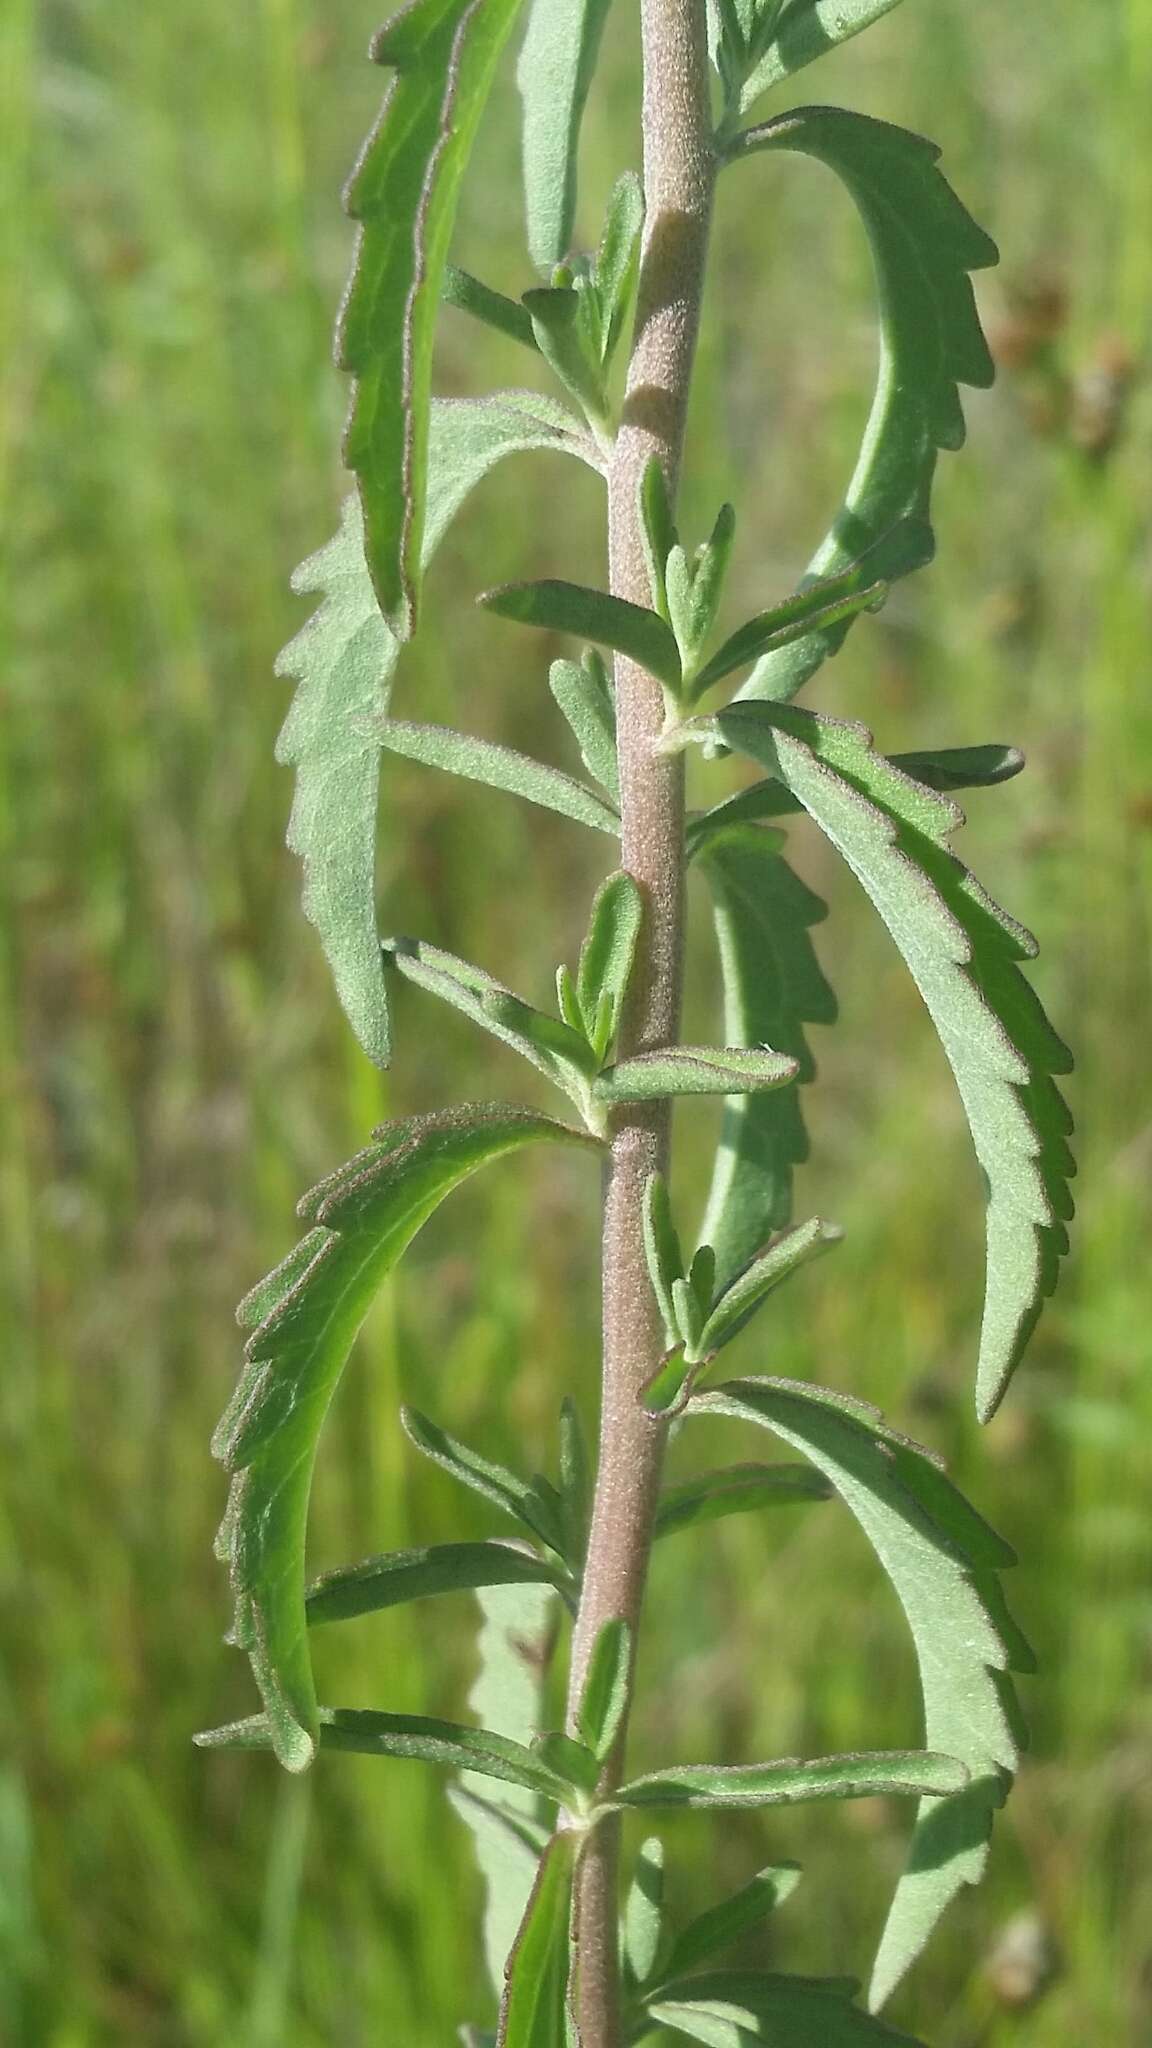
{"x":174,"y":1071}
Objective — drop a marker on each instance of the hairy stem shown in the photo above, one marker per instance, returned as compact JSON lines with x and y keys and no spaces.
{"x":679,"y":170}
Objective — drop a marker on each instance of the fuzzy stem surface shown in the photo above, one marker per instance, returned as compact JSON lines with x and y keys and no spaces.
{"x":679,"y":175}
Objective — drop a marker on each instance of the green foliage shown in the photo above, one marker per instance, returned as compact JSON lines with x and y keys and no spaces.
{"x":404,"y":192}
{"x":557,"y":63}
{"x":344,"y":660}
{"x":943,"y":1562}
{"x":890,"y":818}
{"x":963,"y":952}
{"x":924,"y":243}
{"x":308,"y":1315}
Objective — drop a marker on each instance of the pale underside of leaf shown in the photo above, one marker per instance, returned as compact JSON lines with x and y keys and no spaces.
{"x":924,"y":244}
{"x":404,"y":191}
{"x":344,"y":660}
{"x":964,"y":954}
{"x":557,"y":62}
{"x":365,"y":1215}
{"x":942,"y":1560}
{"x":773,"y":988}
{"x":733,"y":2009}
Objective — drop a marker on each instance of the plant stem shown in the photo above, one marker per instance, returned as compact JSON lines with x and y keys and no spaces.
{"x":679,"y":170}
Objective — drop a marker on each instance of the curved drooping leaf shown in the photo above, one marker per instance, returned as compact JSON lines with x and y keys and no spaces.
{"x":924,"y":243}
{"x":401,"y":1575}
{"x":963,"y":952}
{"x":509,"y":1830}
{"x":344,"y":661}
{"x":773,"y":988}
{"x":412,"y":1737}
{"x":943,"y":1561}
{"x":787,"y":1782}
{"x":805,"y":30}
{"x":458,"y":753}
{"x":403,"y":191}
{"x":310,"y":1311}
{"x":534,"y":2007}
{"x":739,"y":2009}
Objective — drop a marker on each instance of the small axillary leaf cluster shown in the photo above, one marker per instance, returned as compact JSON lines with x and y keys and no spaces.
{"x":537,"y":1798}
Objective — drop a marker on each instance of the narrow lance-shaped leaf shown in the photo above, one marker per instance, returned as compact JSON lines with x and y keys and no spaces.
{"x":773,"y":988}
{"x":584,"y":695}
{"x":735,"y":1490}
{"x":943,"y":1561}
{"x":693,"y":1070}
{"x":533,"y":2009}
{"x":963,"y":953}
{"x":557,"y":63}
{"x":508,"y":1828}
{"x":946,"y":768}
{"x":721,"y":1925}
{"x":591,"y":615}
{"x":365,"y":1216}
{"x":404,"y":191}
{"x":604,"y":1701}
{"x":389,"y":1581}
{"x":411,"y":1737}
{"x":470,"y":295}
{"x":457,"y":753}
{"x":505,"y":1489}
{"x":791,"y":1250}
{"x":805,"y":30}
{"x":642,"y":1927}
{"x":924,"y":243}
{"x":790,"y":1782}
{"x":344,"y":660}
{"x":741,"y":2009}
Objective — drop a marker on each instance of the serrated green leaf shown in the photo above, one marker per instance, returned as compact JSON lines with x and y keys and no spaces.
{"x":642,"y":1930}
{"x":790,"y":1250}
{"x":943,"y":768}
{"x":591,"y":615}
{"x":402,"y":1575}
{"x":368,"y":1213}
{"x":470,"y":295}
{"x":693,"y":1070}
{"x":606,"y":958}
{"x":584,"y":695}
{"x":403,"y":192}
{"x":924,"y":244}
{"x":735,"y":1490}
{"x":963,"y":953}
{"x":789,"y":1782}
{"x":457,"y":753}
{"x":604,"y":1700}
{"x":556,"y":68}
{"x":344,"y":661}
{"x":741,"y":2009}
{"x":721,"y":1925}
{"x":806,"y":30}
{"x":532,"y":2012}
{"x":508,"y":1830}
{"x":496,"y":1483}
{"x":773,"y":989}
{"x":942,"y":1561}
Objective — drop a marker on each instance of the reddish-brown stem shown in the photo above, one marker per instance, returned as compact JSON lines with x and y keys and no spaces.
{"x":679,"y":171}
